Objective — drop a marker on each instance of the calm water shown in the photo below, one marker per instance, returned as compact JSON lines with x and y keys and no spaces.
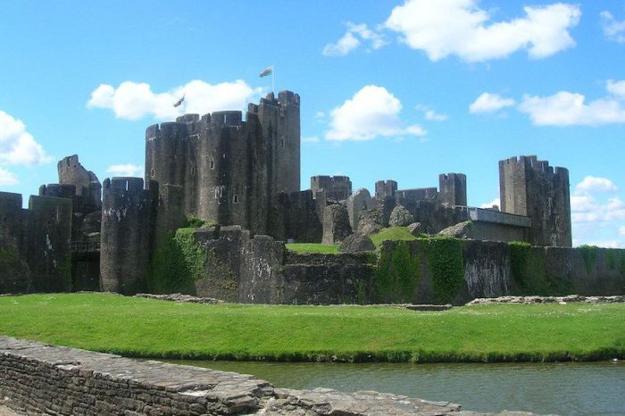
{"x":564,"y":389}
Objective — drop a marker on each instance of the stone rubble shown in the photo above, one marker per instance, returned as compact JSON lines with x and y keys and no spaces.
{"x":179,"y":297}
{"x":526,"y":300}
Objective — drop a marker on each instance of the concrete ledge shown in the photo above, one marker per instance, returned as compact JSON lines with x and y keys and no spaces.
{"x":40,"y":379}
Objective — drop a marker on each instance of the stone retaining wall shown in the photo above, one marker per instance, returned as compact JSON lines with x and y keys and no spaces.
{"x":39,"y":379}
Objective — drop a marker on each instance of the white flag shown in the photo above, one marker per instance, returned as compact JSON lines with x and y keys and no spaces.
{"x":266,"y":72}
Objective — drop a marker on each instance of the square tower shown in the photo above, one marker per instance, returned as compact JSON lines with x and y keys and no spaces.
{"x":532,"y":188}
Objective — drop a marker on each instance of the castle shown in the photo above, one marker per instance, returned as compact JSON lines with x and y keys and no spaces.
{"x":240,"y":176}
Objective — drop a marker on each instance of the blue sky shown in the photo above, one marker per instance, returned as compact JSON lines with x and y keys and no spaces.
{"x":390,"y":89}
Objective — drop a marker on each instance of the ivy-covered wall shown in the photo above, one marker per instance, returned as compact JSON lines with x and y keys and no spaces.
{"x":436,"y":270}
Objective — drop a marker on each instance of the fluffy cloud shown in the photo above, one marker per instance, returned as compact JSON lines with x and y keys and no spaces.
{"x":571,"y":109}
{"x":7,"y":178}
{"x":459,"y":27}
{"x":490,"y":103}
{"x":587,"y":207}
{"x":372,"y":112}
{"x":492,"y":203}
{"x":17,"y":145}
{"x":621,"y":231}
{"x":592,"y":184}
{"x":613,"y":29}
{"x":125,"y":169}
{"x":132,"y":100}
{"x":356,"y":35}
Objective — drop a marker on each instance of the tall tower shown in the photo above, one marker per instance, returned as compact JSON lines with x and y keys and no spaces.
{"x":231,"y":170}
{"x":532,"y":188}
{"x":453,"y":189}
{"x":127,"y":231}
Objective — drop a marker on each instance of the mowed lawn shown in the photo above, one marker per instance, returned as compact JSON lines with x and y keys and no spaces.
{"x":159,"y":329}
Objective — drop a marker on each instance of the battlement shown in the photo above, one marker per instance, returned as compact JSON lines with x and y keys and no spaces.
{"x":337,"y":188}
{"x":385,"y":189}
{"x":10,"y":201}
{"x":58,"y":190}
{"x":124,"y":184}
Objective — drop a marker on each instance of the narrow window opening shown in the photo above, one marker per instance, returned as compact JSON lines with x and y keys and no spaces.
{"x":211,"y":164}
{"x":235,"y":199}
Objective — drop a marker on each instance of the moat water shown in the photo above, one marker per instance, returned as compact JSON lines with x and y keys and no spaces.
{"x":561,"y":388}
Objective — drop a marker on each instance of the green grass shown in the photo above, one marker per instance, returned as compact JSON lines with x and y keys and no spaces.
{"x":313,"y":248}
{"x":392,"y":233}
{"x":158,"y":329}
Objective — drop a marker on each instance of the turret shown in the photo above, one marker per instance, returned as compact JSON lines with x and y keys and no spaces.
{"x":532,"y":188}
{"x":453,"y":189}
{"x":126,"y":236}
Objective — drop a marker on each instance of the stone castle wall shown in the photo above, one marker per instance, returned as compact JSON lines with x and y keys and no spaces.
{"x":35,"y":244}
{"x":230,"y":170}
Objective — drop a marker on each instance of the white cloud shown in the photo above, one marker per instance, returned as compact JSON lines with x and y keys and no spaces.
{"x":571,"y":109}
{"x":125,"y":169}
{"x":132,"y":100}
{"x":356,"y":35}
{"x":621,"y":231}
{"x":459,"y":27}
{"x":372,"y":112}
{"x":490,"y":103}
{"x":431,"y":115}
{"x":587,"y":208}
{"x":492,"y":203}
{"x":7,"y":178}
{"x":17,"y":145}
{"x":613,"y":29}
{"x":616,"y":88}
{"x":591,"y":184}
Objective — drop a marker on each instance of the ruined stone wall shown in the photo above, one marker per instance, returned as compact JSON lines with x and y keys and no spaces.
{"x":40,"y":379}
{"x":532,"y":188}
{"x":86,"y":183}
{"x":294,"y":217}
{"x":230,"y":170}
{"x":337,"y":188}
{"x":128,"y":216}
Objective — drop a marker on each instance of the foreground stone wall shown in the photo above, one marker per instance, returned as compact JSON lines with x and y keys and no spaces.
{"x":39,"y":379}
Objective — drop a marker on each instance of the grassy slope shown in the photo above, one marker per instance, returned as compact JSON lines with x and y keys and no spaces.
{"x":149,"y":328}
{"x":392,"y":233}
{"x":313,"y":248}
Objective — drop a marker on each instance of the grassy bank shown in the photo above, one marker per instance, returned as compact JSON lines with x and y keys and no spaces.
{"x":149,"y":328}
{"x":313,"y":248}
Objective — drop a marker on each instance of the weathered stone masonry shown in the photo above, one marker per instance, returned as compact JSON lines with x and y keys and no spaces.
{"x":40,"y":379}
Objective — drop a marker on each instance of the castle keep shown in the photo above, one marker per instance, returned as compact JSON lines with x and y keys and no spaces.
{"x":230,"y":170}
{"x":236,"y":179}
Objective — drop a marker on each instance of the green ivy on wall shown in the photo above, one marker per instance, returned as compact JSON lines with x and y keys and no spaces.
{"x":178,"y":262}
{"x":446,"y":264}
{"x":589,"y":254}
{"x":397,"y":275}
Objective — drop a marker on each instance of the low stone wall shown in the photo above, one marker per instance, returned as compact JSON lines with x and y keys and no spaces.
{"x":39,"y":379}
